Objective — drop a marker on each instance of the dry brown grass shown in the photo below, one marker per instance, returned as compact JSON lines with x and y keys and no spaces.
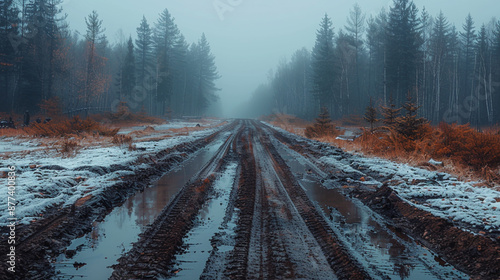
{"x":288,"y":122}
{"x":466,"y":153}
{"x":124,"y":117}
{"x":69,"y":147}
{"x":74,"y":126}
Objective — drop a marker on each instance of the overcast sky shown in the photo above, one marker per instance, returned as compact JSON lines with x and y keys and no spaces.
{"x":250,"y":37}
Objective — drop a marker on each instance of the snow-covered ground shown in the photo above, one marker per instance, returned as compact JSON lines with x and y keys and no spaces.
{"x":45,"y":178}
{"x":438,"y":193}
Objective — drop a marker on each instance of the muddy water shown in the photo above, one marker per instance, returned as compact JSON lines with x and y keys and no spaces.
{"x":191,"y":262}
{"x":100,"y":249}
{"x":384,"y":253}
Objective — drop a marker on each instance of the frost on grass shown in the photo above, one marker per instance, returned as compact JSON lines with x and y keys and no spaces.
{"x":47,"y":180}
{"x":438,"y":193}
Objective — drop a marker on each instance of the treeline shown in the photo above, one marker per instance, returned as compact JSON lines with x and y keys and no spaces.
{"x":158,"y":73}
{"x":453,"y":74}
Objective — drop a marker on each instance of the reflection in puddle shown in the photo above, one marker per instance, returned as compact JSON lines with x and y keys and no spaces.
{"x":385,"y":252}
{"x":192,"y":262}
{"x":114,"y":236}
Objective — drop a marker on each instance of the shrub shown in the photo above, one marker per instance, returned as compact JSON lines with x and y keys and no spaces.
{"x":69,"y":147}
{"x":463,"y":144}
{"x":68,"y":127}
{"x":323,"y":126}
{"x":121,"y":139}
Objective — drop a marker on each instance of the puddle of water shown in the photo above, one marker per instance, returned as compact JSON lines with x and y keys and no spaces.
{"x":209,"y":221}
{"x":101,"y":248}
{"x":383,"y":251}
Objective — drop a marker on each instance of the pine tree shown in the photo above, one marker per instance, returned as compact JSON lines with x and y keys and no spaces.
{"x":42,"y":41}
{"x":322,"y":127}
{"x":128,"y":71}
{"x":9,"y":46}
{"x":410,"y":124}
{"x":496,"y":64}
{"x":205,"y":76}
{"x":468,"y":39}
{"x":323,"y":64}
{"x":94,"y":80}
{"x":144,"y":53}
{"x":440,"y":52}
{"x":371,"y":114}
{"x":376,"y":44}
{"x":390,"y":113}
{"x":356,"y":27}
{"x":403,"y":45}
{"x":180,"y":66}
{"x":165,"y":36}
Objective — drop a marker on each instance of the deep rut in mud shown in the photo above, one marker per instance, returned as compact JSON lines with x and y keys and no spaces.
{"x":260,"y":208}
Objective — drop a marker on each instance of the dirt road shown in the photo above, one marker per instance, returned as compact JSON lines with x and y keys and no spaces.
{"x":264,"y":206}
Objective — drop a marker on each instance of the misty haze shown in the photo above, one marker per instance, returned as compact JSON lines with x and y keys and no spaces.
{"x":235,"y":139}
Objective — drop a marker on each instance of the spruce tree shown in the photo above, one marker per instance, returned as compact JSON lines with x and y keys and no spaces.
{"x":94,"y":80}
{"x":165,"y":36}
{"x":390,"y":113}
{"x":322,"y":127}
{"x":207,"y":74}
{"x":144,"y":52}
{"x":410,"y":124}
{"x":403,"y":45}
{"x":9,"y":46}
{"x":371,"y":114}
{"x":128,"y":71}
{"x":323,"y":64}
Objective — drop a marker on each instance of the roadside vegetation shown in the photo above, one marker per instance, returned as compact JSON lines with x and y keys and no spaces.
{"x":398,"y":134}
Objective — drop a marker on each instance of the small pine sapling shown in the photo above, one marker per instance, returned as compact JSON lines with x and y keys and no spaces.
{"x":390,"y":114}
{"x":371,"y":114}
{"x":410,"y":125}
{"x":322,"y":127}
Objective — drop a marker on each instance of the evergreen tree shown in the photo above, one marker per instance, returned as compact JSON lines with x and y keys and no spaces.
{"x":322,"y":127}
{"x":323,"y":78}
{"x":40,"y":62}
{"x":371,"y":114}
{"x":180,"y":74}
{"x":468,"y":39}
{"x":128,"y":70}
{"x":403,"y":45}
{"x":484,"y":113}
{"x":376,"y":44}
{"x":205,"y":76}
{"x":94,"y":80}
{"x":390,"y":113}
{"x":9,"y":40}
{"x":144,"y":55}
{"x":165,"y":36}
{"x":356,"y":27}
{"x":440,"y":52}
{"x":410,"y":125}
{"x":496,"y":69}
{"x":346,"y":67}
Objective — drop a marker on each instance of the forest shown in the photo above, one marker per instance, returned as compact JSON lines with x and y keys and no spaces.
{"x":41,"y":59}
{"x":452,"y":73}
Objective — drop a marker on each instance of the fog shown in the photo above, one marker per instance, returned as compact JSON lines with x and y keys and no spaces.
{"x":249,"y":38}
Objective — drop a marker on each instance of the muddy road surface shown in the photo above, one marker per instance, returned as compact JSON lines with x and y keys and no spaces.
{"x":252,"y":202}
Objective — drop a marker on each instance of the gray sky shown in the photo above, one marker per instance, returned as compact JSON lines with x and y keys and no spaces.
{"x":250,"y":37}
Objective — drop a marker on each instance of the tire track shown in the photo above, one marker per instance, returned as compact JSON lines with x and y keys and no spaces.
{"x":152,"y":255}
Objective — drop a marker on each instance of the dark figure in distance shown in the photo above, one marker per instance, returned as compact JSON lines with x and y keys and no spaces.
{"x":38,"y":120}
{"x":26,"y":118}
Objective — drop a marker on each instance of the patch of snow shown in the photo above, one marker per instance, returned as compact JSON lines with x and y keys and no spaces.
{"x":435,"y":162}
{"x":439,"y":193}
